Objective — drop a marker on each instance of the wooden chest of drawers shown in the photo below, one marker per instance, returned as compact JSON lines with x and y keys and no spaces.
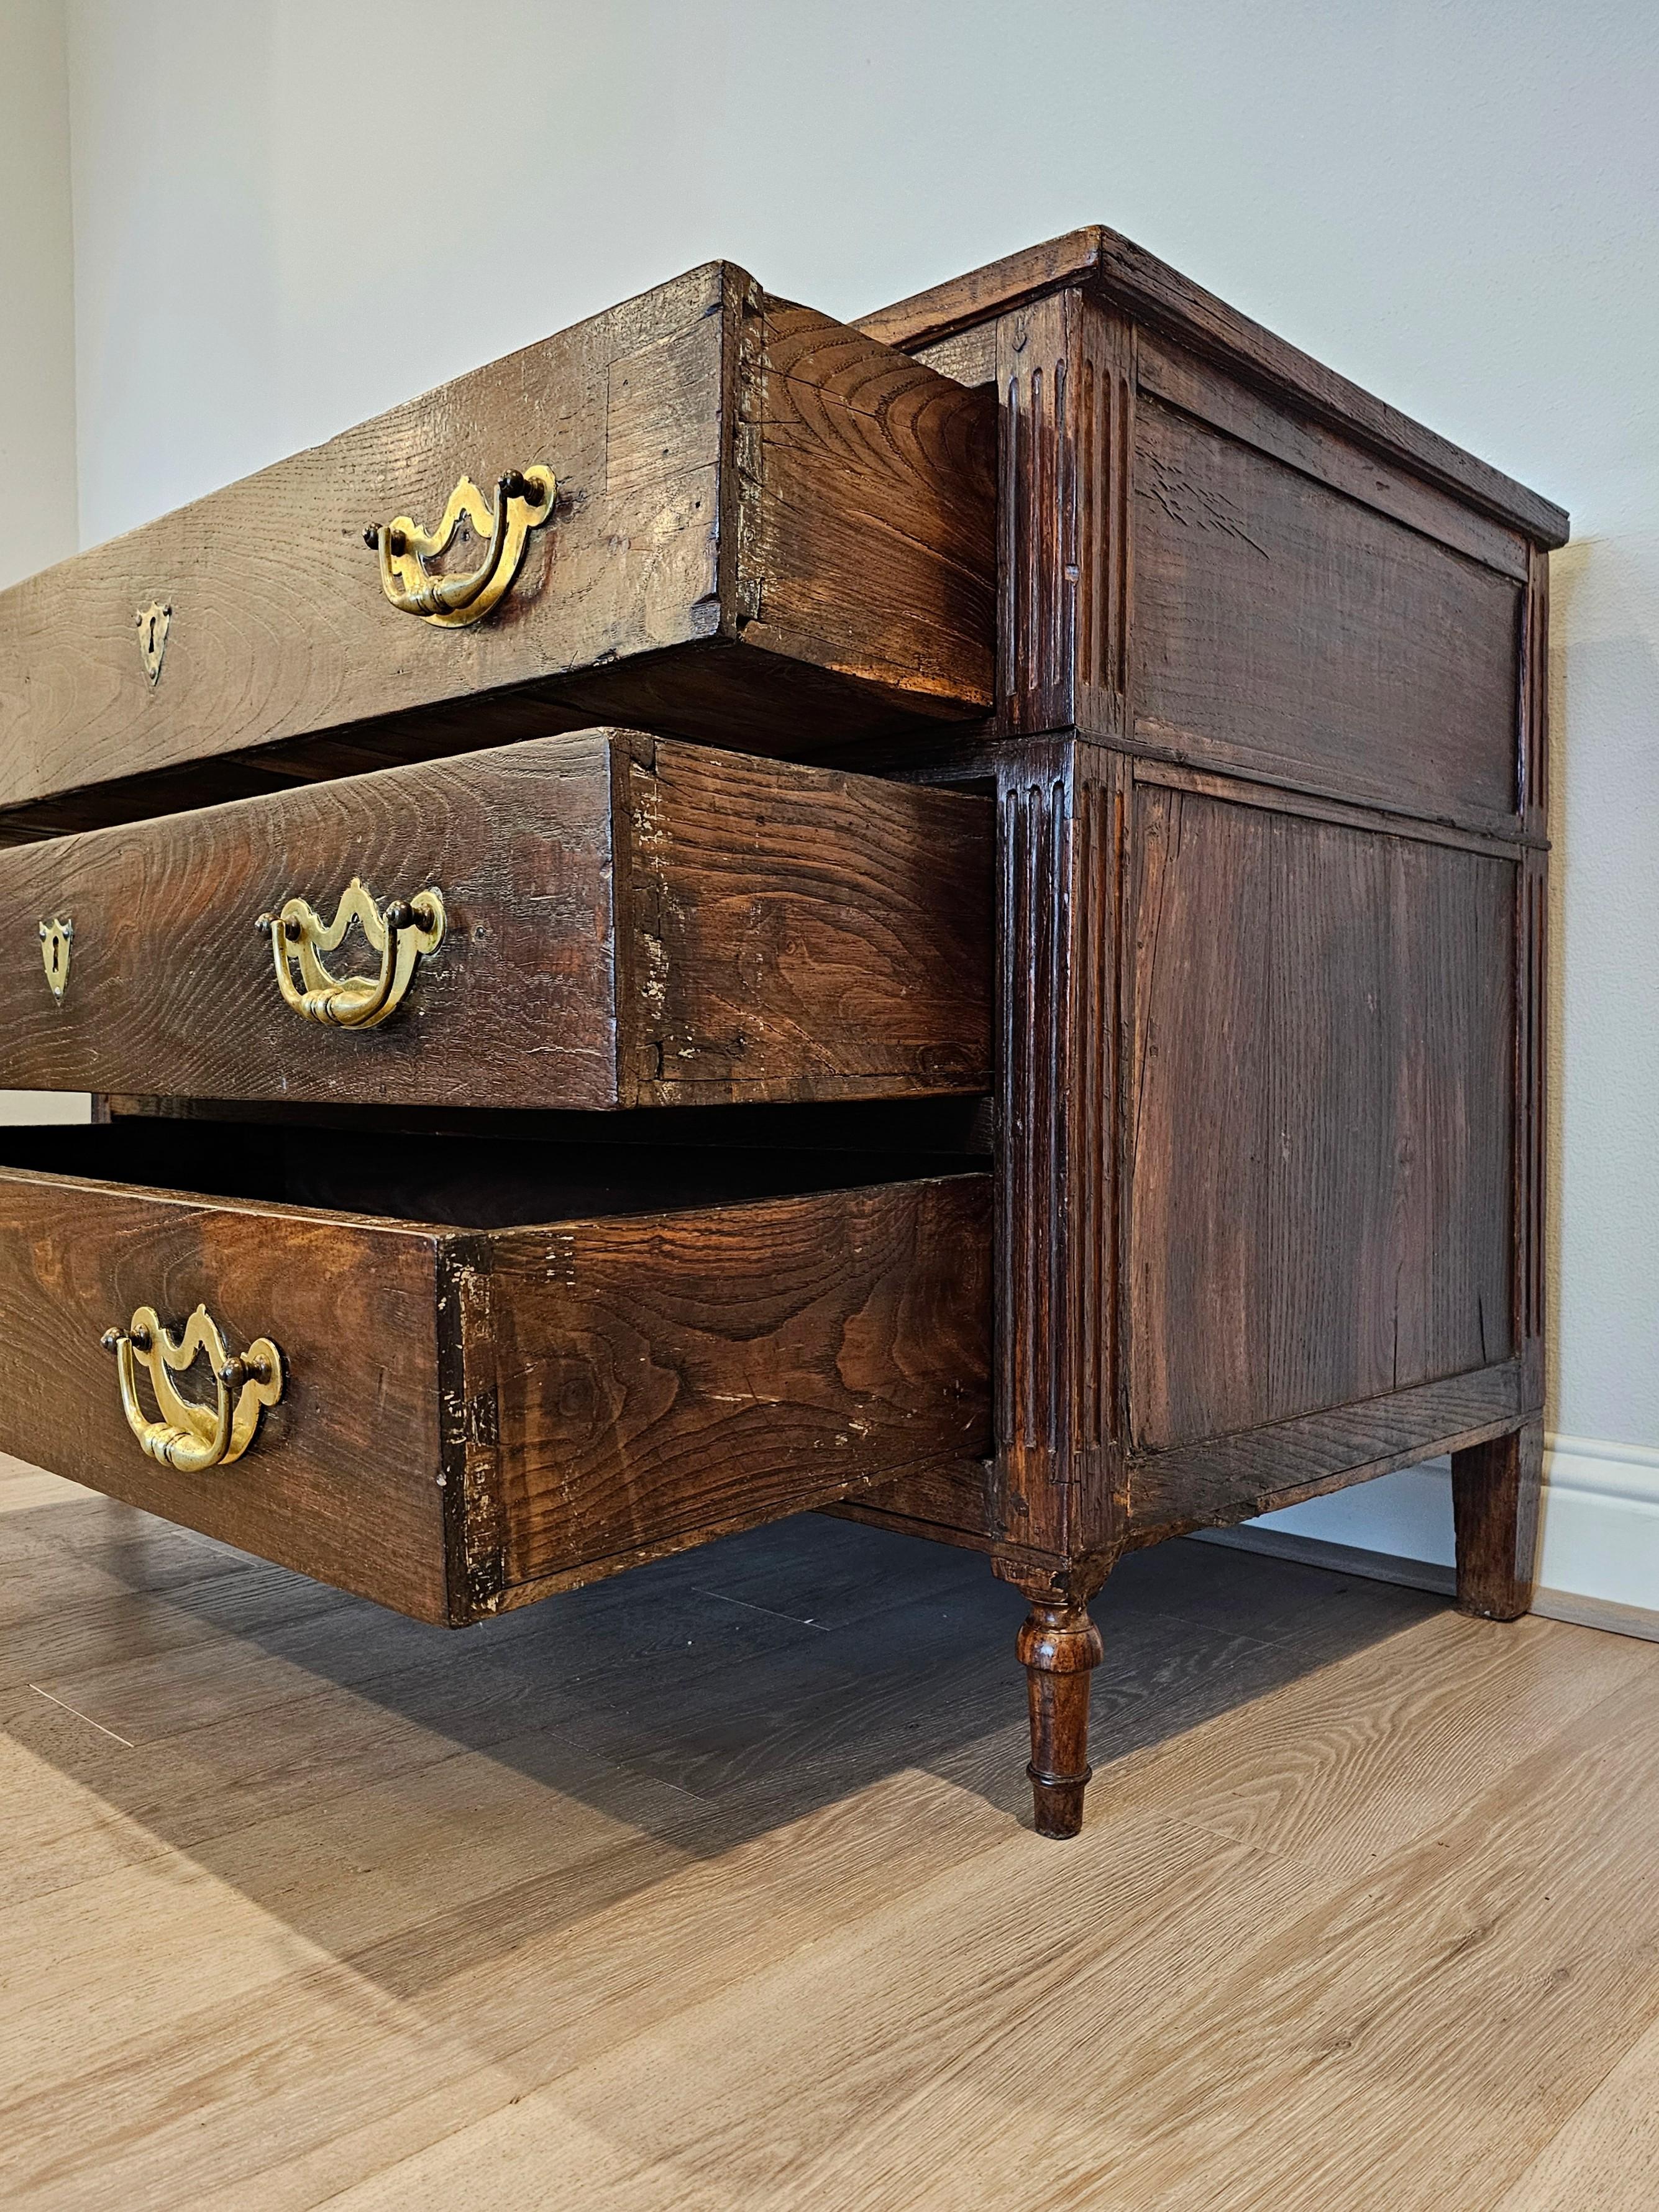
{"x":1143,"y":1133}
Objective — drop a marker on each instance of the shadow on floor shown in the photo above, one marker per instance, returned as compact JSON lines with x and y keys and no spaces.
{"x":577,"y":1752}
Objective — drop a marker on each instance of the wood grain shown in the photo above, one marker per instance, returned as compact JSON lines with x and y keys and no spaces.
{"x":302,"y":1945}
{"x":1179,"y":380}
{"x":1607,"y":2153}
{"x":172,"y":989}
{"x":1059,"y":1647}
{"x":866,"y":499}
{"x":836,"y":502}
{"x":803,"y":934}
{"x":1322,"y":1145}
{"x":1235,"y":1477}
{"x":1247,"y":790}
{"x":1060,"y":853}
{"x":671,"y":1371}
{"x":1127,"y":276}
{"x":1283,"y":627}
{"x":1065,"y":372}
{"x":1496,"y":1494}
{"x":475,"y":1409}
{"x":629,"y":922}
{"x":1039,"y":571}
{"x":342,"y":1481}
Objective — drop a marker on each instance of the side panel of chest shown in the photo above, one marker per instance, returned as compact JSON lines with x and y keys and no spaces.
{"x":1320,"y":1149}
{"x":1283,"y":627}
{"x":1197,"y":573}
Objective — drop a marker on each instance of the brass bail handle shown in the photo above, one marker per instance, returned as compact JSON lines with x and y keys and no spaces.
{"x":189,"y":1436}
{"x":524,"y":502}
{"x":402,"y":933}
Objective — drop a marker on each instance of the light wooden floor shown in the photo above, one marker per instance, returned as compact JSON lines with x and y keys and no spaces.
{"x":713,"y":1888}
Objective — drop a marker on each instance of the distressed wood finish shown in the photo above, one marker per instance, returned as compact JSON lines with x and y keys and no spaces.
{"x":795,"y":517}
{"x":1233,"y":1478}
{"x":478,"y":1412}
{"x":1059,"y":1648}
{"x":630,"y":922}
{"x":1177,"y":380}
{"x":1105,"y":265}
{"x":1263,"y":720}
{"x":1321,"y":1154}
{"x":1288,"y":629}
{"x":342,"y":1481}
{"x":803,"y":934}
{"x":1271,"y":1090}
{"x":670,"y":1374}
{"x":1065,"y":378}
{"x":1061,"y":838}
{"x":1495,"y":1500}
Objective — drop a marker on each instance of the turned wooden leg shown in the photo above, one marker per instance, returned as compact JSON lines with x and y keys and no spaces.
{"x":1495,"y":1490}
{"x":1058,"y":1646}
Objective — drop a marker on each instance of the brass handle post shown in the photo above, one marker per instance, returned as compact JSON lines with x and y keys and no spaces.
{"x":402,"y":933}
{"x":524,"y":502}
{"x":190,"y":1435}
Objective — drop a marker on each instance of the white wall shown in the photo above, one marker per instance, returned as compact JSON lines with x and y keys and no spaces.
{"x":37,"y":292}
{"x":37,"y":336}
{"x":287,"y":216}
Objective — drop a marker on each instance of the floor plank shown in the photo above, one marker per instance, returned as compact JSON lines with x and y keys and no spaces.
{"x":1607,"y":2153}
{"x":303,"y":1905}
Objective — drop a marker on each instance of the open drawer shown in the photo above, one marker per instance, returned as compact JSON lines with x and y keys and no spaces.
{"x":597,"y":920}
{"x":527,"y":1366}
{"x":708,"y":510}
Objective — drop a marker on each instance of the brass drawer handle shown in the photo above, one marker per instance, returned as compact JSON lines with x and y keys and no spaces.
{"x":406,"y":929}
{"x":189,"y":1436}
{"x":523,"y":501}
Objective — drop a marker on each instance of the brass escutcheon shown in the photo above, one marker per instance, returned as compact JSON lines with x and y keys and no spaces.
{"x":153,"y":623}
{"x":401,"y":934}
{"x":190,"y":1436}
{"x":524,"y":502}
{"x":56,"y":938}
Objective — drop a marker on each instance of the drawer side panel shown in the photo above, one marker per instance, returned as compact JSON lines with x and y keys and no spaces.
{"x":799,"y":933}
{"x":698,"y":1370}
{"x":866,"y":538}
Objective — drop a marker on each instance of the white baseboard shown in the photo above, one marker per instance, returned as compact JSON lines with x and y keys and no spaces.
{"x":1599,"y":1543}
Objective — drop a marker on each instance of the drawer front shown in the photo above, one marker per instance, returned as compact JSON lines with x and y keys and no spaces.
{"x":625,"y":921}
{"x":341,"y":1480}
{"x":762,"y":522}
